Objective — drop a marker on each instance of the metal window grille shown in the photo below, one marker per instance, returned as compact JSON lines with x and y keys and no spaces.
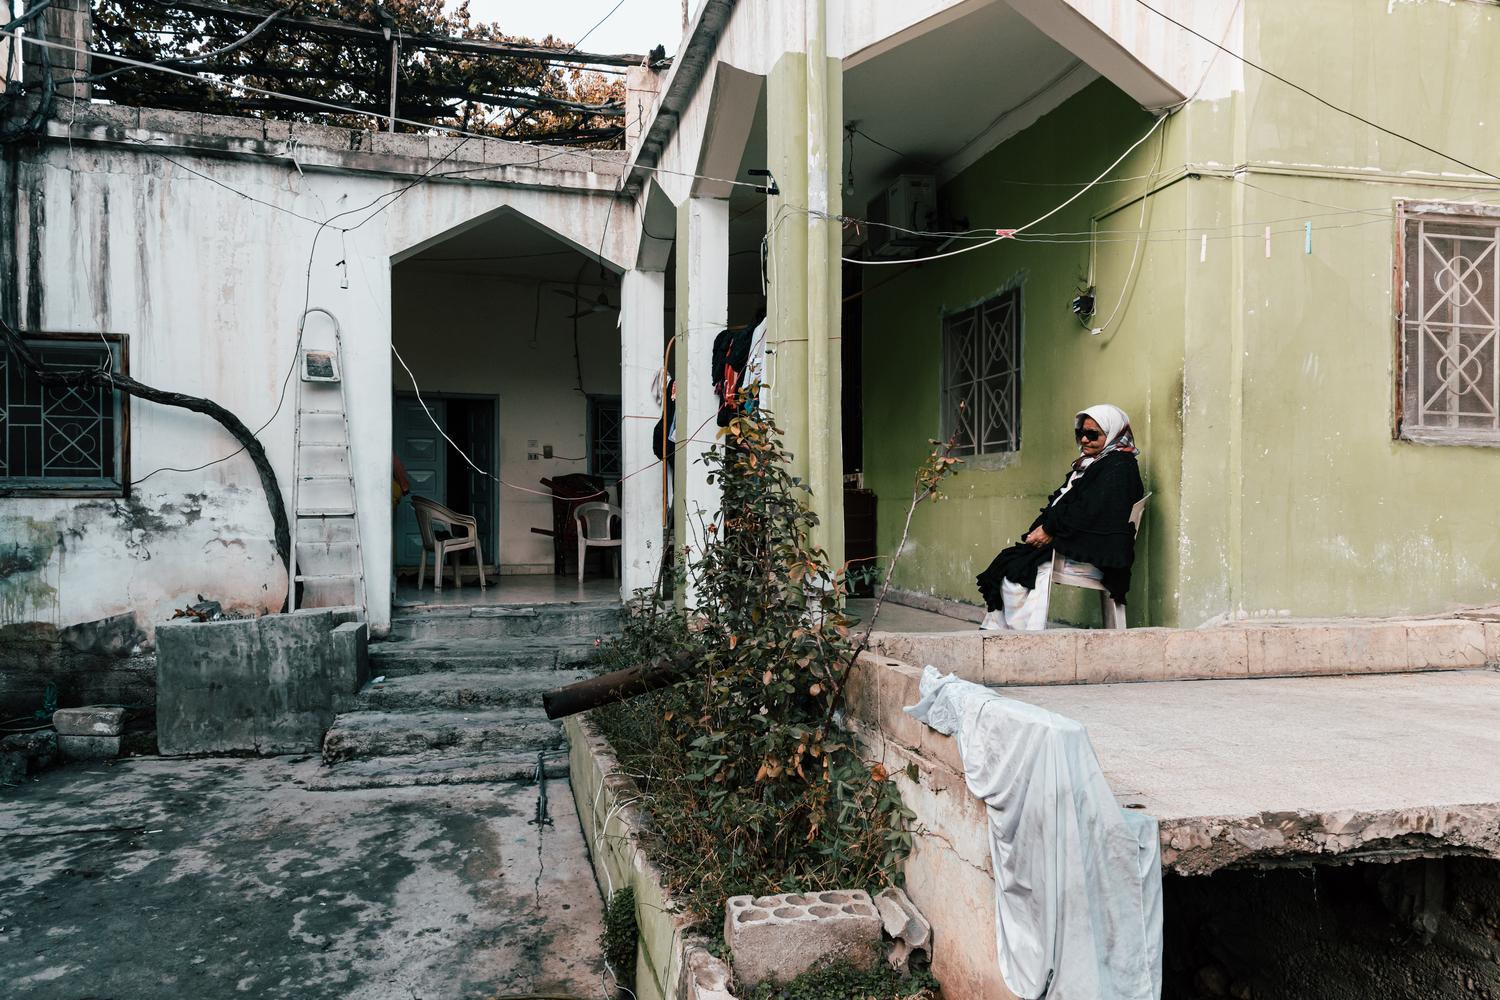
{"x":606,"y":457}
{"x":1449,"y":359}
{"x":982,"y":376}
{"x":54,"y":437}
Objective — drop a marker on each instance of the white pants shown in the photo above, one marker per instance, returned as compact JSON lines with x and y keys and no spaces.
{"x":1026,"y":610}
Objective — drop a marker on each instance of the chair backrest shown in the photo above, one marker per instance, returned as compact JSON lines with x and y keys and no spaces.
{"x":594,"y":520}
{"x":428,"y":511}
{"x":1137,"y":512}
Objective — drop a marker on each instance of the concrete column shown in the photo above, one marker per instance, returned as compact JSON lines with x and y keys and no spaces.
{"x":805,"y":153}
{"x":642,"y":307}
{"x":702,"y":311}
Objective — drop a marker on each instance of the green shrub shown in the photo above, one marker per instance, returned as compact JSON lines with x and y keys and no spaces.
{"x":749,"y":785}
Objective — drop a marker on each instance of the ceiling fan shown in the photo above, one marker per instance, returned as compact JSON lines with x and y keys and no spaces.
{"x":587,"y":306}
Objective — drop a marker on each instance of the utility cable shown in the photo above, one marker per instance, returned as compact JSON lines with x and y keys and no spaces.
{"x":1321,"y":100}
{"x":1005,"y":234}
{"x":584,"y":37}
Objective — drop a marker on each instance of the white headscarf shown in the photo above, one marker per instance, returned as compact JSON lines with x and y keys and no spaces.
{"x":1115,"y":424}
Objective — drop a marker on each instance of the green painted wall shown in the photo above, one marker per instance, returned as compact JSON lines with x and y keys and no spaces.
{"x":1331,"y":516}
{"x":1261,"y":387}
{"x":1135,"y":364}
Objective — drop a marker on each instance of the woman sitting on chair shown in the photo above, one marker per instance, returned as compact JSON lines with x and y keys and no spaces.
{"x":1086,"y":520}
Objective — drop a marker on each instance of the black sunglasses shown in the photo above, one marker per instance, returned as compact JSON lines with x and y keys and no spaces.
{"x":1087,"y":434}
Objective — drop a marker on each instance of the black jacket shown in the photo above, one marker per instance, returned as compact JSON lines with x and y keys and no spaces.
{"x":1091,"y":524}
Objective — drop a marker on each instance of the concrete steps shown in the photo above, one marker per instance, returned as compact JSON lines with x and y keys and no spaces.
{"x":460,"y":696}
{"x":510,"y":653}
{"x":436,"y":767}
{"x":362,"y":735}
{"x":555,"y":621}
{"x":460,"y":690}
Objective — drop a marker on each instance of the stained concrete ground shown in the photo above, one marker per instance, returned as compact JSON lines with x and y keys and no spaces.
{"x":151,"y":877}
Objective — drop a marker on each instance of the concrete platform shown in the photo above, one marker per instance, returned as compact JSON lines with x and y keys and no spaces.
{"x":156,"y":878}
{"x":1298,"y":769}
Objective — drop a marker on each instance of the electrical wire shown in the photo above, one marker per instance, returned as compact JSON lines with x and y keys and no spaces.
{"x":1140,"y":243}
{"x":1321,"y":100}
{"x":1006,"y":234}
{"x":584,"y":37}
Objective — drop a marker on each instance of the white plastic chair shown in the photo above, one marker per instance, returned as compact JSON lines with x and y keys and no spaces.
{"x":459,"y":533}
{"x":1065,"y":573}
{"x":595,"y":521}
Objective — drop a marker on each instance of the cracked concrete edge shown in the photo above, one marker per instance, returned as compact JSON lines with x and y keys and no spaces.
{"x":1203,"y":845}
{"x":880,"y":687}
{"x":673,"y":960}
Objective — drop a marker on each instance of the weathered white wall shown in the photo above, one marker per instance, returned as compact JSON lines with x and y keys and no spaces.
{"x":208,"y":285}
{"x":482,"y":340}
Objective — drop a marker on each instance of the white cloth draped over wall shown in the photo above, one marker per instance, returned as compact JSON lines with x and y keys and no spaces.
{"x":1077,"y":878}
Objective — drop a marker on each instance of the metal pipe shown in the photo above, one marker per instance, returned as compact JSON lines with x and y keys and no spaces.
{"x":621,"y":685}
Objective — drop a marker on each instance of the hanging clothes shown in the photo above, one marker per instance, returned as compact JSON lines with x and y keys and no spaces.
{"x":1078,"y":898}
{"x":731,"y":352}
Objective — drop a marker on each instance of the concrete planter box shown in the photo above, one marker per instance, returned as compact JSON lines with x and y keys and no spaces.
{"x":267,"y":685}
{"x":672,"y":962}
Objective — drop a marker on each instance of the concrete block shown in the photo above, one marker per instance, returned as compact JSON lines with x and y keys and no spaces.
{"x":607,"y":166}
{"x":1198,"y":654}
{"x":862,"y":690}
{"x":906,"y":925}
{"x":1300,"y":650}
{"x":178,"y":122}
{"x":232,"y":126}
{"x":111,"y":114}
{"x":940,"y":748}
{"x":1492,"y":643}
{"x":91,"y":720}
{"x":512,"y":153}
{"x":777,"y":938}
{"x":413,"y":144}
{"x":960,"y":653}
{"x":322,"y":136}
{"x":88,"y":747}
{"x":1110,"y":655}
{"x":1445,"y":644}
{"x":276,"y":131}
{"x":559,"y":159}
{"x":1031,"y":658}
{"x":706,"y":976}
{"x":457,"y":149}
{"x":900,"y":687}
{"x":269,"y":684}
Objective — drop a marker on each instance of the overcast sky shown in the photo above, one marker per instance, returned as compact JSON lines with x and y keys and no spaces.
{"x":637,"y":26}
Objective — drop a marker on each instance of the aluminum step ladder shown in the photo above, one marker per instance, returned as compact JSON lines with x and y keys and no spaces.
{"x":326,"y":558}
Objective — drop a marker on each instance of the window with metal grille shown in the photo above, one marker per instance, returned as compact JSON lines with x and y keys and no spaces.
{"x":1448,"y":291}
{"x":56,"y":439}
{"x":982,"y":376}
{"x":605,"y":450}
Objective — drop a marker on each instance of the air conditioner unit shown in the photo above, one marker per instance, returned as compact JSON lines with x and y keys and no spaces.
{"x":909,"y":204}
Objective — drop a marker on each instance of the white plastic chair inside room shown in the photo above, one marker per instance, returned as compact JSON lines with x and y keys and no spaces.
{"x":445,"y":533}
{"x":595,"y":530}
{"x":1068,"y":573}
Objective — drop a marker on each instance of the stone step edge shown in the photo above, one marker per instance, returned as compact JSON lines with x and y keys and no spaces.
{"x":1099,"y":656}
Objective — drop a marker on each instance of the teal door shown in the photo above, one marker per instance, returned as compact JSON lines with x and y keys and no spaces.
{"x":423,"y":452}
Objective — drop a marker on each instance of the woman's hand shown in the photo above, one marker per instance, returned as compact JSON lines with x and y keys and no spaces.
{"x":1038,"y":537}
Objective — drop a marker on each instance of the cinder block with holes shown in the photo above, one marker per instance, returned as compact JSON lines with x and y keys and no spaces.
{"x":777,"y":938}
